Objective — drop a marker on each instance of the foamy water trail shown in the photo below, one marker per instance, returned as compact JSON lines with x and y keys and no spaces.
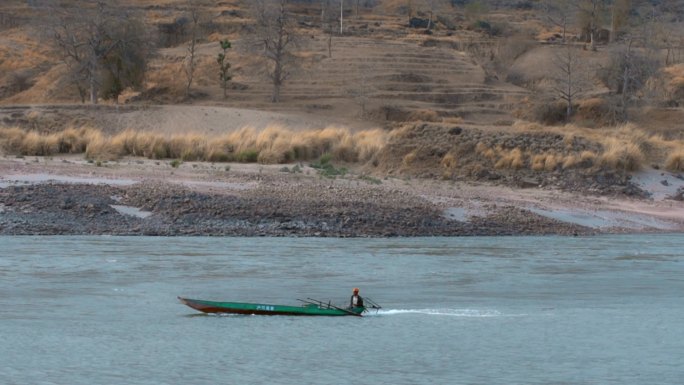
{"x":440,"y":312}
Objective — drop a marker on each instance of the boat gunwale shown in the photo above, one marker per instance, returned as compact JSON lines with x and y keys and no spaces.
{"x":246,"y":308}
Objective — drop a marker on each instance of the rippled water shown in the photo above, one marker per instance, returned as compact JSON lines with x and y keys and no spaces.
{"x":534,"y":310}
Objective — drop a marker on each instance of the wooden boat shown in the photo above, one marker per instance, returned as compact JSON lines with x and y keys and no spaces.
{"x":309,"y":308}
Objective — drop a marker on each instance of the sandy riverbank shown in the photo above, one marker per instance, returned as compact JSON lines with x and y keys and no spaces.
{"x":68,"y":195}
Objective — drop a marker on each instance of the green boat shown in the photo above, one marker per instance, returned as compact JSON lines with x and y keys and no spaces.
{"x":310,"y":307}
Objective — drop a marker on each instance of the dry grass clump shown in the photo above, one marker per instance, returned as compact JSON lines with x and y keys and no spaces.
{"x":274,"y":144}
{"x":424,"y":115}
{"x":40,"y":145}
{"x":11,"y":139}
{"x":550,"y":162}
{"x":483,"y":150}
{"x":631,"y":133}
{"x":409,"y":158}
{"x":675,"y":161}
{"x":675,"y":86}
{"x":591,"y":104}
{"x":74,"y":140}
{"x":100,"y":148}
{"x":538,"y":161}
{"x":595,"y":111}
{"x":587,"y":156}
{"x":527,"y":126}
{"x":369,"y":143}
{"x":449,"y":164}
{"x":620,"y":155}
{"x":513,"y":159}
{"x":166,"y":75}
{"x":336,"y":141}
{"x":69,"y":141}
{"x":570,"y":161}
{"x":449,"y":161}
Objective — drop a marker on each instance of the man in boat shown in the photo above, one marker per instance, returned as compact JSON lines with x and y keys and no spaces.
{"x":356,"y":300}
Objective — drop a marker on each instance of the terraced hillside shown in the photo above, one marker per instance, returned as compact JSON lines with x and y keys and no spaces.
{"x":391,"y":80}
{"x":385,"y":72}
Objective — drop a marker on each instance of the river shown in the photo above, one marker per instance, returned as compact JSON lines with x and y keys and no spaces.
{"x":480,"y":310}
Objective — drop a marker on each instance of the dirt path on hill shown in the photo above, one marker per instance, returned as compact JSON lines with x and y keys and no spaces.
{"x":176,"y":119}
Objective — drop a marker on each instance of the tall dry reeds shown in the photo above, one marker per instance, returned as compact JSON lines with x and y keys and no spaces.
{"x":274,"y":144}
{"x":620,"y":155}
{"x":675,"y":161}
{"x":21,"y":142}
{"x":11,"y":139}
{"x":513,"y":159}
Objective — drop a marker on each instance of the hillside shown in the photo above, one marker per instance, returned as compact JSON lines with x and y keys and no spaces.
{"x":482,"y":95}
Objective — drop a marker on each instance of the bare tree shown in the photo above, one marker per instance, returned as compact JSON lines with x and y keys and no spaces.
{"x":619,"y":15}
{"x":360,"y":90}
{"x":560,"y":13}
{"x":409,"y":10}
{"x":434,"y":6}
{"x":90,"y":38}
{"x":484,"y":55}
{"x":628,"y":71}
{"x":328,"y":21}
{"x":276,"y":37}
{"x":661,"y":33}
{"x":73,"y":56}
{"x":570,"y":77}
{"x":190,"y":63}
{"x":591,"y":15}
{"x":124,"y":66}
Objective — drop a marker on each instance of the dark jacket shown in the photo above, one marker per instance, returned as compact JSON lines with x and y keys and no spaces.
{"x":359,"y":302}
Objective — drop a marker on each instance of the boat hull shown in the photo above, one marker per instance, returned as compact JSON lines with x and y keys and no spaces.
{"x":267,"y":309}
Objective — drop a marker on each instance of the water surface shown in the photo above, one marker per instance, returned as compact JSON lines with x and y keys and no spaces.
{"x":509,"y":310}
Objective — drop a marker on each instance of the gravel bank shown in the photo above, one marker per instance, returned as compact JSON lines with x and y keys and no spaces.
{"x":49,"y":196}
{"x":296,"y":210}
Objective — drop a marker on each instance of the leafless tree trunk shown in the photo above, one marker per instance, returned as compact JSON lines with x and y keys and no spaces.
{"x":409,"y":10}
{"x":570,"y":77}
{"x":330,"y":36}
{"x":591,"y":14}
{"x":328,"y":22}
{"x":341,"y":16}
{"x":72,"y":56}
{"x":636,"y":69}
{"x":435,"y":6}
{"x":360,"y":90}
{"x":559,"y":13}
{"x":190,"y":63}
{"x":277,"y":38}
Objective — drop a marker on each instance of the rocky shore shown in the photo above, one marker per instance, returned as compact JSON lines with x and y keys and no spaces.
{"x":144,"y":197}
{"x":74,"y":209}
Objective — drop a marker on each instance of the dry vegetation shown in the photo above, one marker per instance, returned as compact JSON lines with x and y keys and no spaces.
{"x":451,"y":75}
{"x":627,"y":147}
{"x":270,"y":146}
{"x":529,"y":148}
